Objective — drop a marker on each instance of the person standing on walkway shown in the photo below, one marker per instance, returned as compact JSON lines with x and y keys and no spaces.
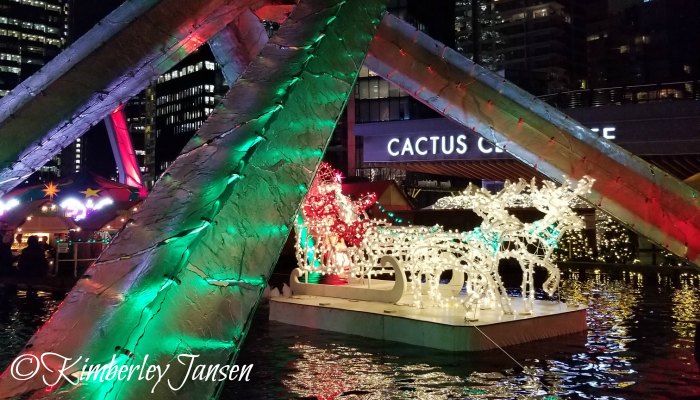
{"x":32,"y":262}
{"x":6,"y":258}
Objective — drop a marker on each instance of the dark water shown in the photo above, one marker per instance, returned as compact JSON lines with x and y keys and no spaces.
{"x":639,"y":346}
{"x":21,"y":313}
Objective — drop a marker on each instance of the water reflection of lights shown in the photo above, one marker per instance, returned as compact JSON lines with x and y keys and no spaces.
{"x":639,"y":346}
{"x":686,"y":310}
{"x":21,"y":312}
{"x":611,"y":309}
{"x":636,"y":348}
{"x":327,"y":373}
{"x":606,"y":363}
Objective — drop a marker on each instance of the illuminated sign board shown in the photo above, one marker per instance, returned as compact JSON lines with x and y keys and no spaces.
{"x":450,"y":146}
{"x":434,"y":143}
{"x":424,"y":145}
{"x":608,"y":132}
{"x":439,"y":146}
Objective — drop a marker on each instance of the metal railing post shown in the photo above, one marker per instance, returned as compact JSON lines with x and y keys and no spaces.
{"x":75,"y":260}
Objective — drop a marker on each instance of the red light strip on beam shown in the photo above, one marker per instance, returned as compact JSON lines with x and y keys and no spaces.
{"x":123,"y":149}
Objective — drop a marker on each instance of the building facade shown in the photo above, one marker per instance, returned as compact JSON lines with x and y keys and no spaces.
{"x":644,"y":42}
{"x":140,"y":118}
{"x":32,"y":32}
{"x":543,"y":45}
{"x":184,"y":98}
{"x":376,"y":100}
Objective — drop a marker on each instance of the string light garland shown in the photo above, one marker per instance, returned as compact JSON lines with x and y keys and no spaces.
{"x":615,"y":243}
{"x":574,"y":246}
{"x":332,"y":221}
{"x":332,"y":215}
{"x":8,"y":205}
{"x":391,"y":215}
{"x":79,"y":210}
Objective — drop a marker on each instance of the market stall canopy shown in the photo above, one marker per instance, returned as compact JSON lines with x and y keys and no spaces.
{"x":17,"y":215}
{"x":78,"y":197}
{"x":48,"y":224}
{"x":694,"y":181}
{"x":111,"y":219}
{"x":84,"y":185}
{"x":114,"y":224}
{"x":389,"y":194}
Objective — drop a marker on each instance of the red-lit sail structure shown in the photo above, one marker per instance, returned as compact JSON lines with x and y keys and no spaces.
{"x":123,"y":151}
{"x":643,"y":197}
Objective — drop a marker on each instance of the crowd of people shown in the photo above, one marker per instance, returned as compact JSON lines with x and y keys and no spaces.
{"x":31,"y":261}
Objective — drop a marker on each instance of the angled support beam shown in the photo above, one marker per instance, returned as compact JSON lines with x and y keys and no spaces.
{"x":186,"y":273}
{"x":114,"y":61}
{"x":236,"y":45}
{"x":641,"y":196}
{"x":277,"y":12}
{"x":123,"y":150}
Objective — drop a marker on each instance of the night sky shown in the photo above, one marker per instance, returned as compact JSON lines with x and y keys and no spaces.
{"x":98,"y":155}
{"x":86,"y":13}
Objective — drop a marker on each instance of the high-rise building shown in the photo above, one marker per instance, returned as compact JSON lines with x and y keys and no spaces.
{"x":377,"y":100}
{"x":543,"y":43}
{"x":185,"y":96}
{"x":183,"y":99}
{"x":483,"y":44}
{"x":645,"y":42}
{"x":92,"y":151}
{"x":538,"y":44}
{"x":140,"y":118}
{"x":31,"y":34}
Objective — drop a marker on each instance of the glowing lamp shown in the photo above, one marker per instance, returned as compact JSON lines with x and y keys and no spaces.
{"x":8,"y":205}
{"x":74,"y":208}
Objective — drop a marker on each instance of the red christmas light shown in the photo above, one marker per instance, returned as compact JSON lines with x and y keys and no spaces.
{"x":330,"y":214}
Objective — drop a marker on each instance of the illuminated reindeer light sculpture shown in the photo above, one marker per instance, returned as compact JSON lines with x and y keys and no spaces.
{"x":337,"y":237}
{"x":531,"y":244}
{"x":555,"y":202}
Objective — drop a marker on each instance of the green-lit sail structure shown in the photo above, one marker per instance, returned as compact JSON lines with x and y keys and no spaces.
{"x":186,"y":281}
{"x":186,"y":273}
